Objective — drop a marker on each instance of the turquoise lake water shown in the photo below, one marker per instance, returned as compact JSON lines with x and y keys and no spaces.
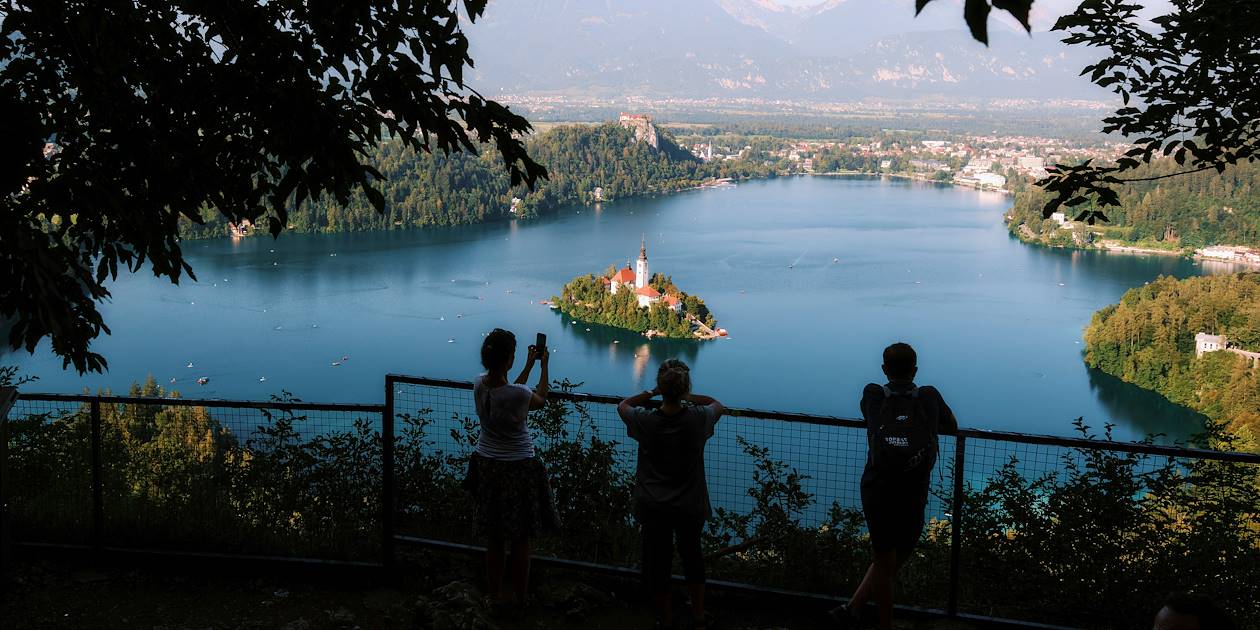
{"x":811,"y":276}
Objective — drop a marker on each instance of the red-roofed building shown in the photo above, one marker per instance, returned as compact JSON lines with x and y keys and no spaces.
{"x":623,"y":278}
{"x":673,"y":302}
{"x":648,"y":296}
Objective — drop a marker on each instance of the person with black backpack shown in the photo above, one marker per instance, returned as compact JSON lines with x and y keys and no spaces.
{"x":903,"y":422}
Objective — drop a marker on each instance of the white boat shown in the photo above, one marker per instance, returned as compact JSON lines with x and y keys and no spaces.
{"x":172,"y":380}
{"x":336,"y":363}
{"x":203,"y":380}
{"x":450,"y":341}
{"x":262,"y":379}
{"x":190,"y":364}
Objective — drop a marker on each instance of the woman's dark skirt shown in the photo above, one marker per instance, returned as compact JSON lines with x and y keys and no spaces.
{"x":514,"y":500}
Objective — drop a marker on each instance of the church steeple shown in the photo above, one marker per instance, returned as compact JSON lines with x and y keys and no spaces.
{"x":641,"y":265}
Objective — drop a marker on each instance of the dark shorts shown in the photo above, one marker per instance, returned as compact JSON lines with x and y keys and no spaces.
{"x":894,"y":519}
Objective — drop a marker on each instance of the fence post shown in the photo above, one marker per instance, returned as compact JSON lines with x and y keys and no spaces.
{"x":955,"y":538}
{"x":98,"y":489}
{"x":387,"y":476}
{"x":8,"y":396}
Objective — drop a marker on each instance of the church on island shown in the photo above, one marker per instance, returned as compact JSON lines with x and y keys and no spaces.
{"x":636,"y":280}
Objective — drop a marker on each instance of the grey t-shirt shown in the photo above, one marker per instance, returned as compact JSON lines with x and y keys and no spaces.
{"x":670,"y":470}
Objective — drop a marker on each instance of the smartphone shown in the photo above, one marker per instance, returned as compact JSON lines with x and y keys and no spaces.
{"x":541,"y":342}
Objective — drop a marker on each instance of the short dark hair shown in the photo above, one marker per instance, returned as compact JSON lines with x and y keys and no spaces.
{"x":1201,"y":607}
{"x":900,"y":360}
{"x":497,"y":347}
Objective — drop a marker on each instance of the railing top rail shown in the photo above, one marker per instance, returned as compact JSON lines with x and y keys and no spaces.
{"x":205,"y":402}
{"x":1000,"y":436}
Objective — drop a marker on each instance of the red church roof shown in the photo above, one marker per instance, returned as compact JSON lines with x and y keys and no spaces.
{"x":625,"y":276}
{"x":649,"y":291}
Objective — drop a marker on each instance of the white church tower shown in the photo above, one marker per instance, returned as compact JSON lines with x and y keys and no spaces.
{"x":641,"y":267}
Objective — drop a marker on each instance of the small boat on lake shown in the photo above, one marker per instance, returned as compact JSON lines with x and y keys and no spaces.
{"x":336,"y":363}
{"x":203,"y":380}
{"x":190,"y":364}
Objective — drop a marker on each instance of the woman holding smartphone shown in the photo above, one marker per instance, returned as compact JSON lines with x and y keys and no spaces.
{"x":509,"y":483}
{"x":671,"y":494}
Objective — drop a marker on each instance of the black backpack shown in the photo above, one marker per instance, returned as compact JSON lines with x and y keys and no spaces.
{"x":903,"y":440}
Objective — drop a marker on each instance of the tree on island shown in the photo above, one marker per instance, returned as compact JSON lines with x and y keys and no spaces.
{"x":122,"y":118}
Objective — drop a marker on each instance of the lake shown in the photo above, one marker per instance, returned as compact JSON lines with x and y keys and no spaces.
{"x":811,"y":276}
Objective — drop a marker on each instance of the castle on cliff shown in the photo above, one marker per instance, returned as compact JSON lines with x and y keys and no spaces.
{"x":636,"y":280}
{"x":644,"y":130}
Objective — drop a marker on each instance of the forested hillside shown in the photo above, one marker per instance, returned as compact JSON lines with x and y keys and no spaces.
{"x":435,"y":190}
{"x":1148,"y":340}
{"x":1190,"y":211}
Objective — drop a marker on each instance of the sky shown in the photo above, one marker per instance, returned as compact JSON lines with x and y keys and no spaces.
{"x":1044,"y":12}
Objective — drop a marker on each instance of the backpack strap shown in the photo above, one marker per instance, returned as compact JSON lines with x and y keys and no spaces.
{"x":889,"y":393}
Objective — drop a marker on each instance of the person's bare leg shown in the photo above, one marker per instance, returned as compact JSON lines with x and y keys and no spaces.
{"x":495,"y":558}
{"x":664,"y":607}
{"x":520,"y":569}
{"x":863,"y":592}
{"x":697,"y":601}
{"x":881,"y":587}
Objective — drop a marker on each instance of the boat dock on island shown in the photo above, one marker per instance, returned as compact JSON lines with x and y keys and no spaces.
{"x":703,"y":331}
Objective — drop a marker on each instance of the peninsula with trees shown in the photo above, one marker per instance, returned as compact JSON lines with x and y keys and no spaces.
{"x":1194,"y":341}
{"x":634,"y":299}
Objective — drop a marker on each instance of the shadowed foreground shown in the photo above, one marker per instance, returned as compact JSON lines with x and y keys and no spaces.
{"x":447,"y":595}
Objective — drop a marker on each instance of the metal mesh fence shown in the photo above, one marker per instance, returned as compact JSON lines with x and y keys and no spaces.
{"x":1088,"y":520}
{"x":48,"y":477}
{"x":222,"y":477}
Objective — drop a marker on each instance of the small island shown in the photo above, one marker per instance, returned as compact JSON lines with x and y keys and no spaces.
{"x":633,"y":299}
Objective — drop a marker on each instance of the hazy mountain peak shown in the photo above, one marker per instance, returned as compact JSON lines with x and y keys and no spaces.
{"x":836,"y":50}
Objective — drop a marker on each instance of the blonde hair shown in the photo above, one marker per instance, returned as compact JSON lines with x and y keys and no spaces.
{"x":673,"y":380}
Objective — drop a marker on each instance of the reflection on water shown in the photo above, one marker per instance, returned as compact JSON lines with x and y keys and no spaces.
{"x":621,"y":343}
{"x":1146,"y":412}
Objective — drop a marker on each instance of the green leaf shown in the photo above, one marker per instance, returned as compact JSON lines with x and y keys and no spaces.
{"x":1018,"y":8}
{"x":976,"y":13}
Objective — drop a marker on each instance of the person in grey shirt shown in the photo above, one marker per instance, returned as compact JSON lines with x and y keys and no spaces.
{"x":671,"y":494}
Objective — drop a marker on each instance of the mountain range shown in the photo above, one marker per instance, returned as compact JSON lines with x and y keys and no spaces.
{"x":839,"y":50}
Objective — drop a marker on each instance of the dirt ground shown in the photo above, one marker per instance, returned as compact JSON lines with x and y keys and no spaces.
{"x":445,"y":595}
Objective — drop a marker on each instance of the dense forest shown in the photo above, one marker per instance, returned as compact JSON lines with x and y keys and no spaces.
{"x":1190,"y":211}
{"x":587,"y":298}
{"x":423,"y":189}
{"x":1148,"y":340}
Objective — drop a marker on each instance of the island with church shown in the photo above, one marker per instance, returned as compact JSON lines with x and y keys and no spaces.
{"x":634,"y":299}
